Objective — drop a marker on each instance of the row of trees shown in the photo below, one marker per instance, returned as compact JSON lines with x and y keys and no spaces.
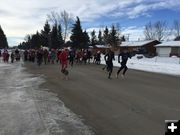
{"x":61,"y":30}
{"x":48,"y":37}
{"x":3,"y":39}
{"x":52,"y":35}
{"x":81,"y":39}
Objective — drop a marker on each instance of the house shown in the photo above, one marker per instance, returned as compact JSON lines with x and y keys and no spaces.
{"x":101,"y":48}
{"x":141,"y":47}
{"x":168,"y":48}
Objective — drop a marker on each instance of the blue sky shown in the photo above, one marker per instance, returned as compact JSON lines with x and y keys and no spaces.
{"x":21,"y":17}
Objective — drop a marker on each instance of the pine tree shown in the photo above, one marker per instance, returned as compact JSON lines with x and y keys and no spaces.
{"x":177,"y":38}
{"x":46,"y":35}
{"x":100,"y":38}
{"x":113,"y":37}
{"x":36,"y":41}
{"x":106,"y":36}
{"x":3,"y":39}
{"x":86,"y":39}
{"x":123,"y":39}
{"x":60,"y":38}
{"x":54,"y":38}
{"x":77,"y":35}
{"x":93,"y":38}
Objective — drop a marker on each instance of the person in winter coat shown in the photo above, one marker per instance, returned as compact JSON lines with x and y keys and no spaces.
{"x":53,"y":56}
{"x":63,"y":57}
{"x":39,"y":56}
{"x":25,"y":55}
{"x":12,"y":57}
{"x":45,"y":56}
{"x":71,"y":57}
{"x":124,"y":58}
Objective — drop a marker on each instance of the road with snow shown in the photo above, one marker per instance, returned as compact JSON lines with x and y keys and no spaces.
{"x":138,"y":104}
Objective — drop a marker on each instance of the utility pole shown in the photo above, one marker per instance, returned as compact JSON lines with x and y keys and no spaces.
{"x":128,"y":35}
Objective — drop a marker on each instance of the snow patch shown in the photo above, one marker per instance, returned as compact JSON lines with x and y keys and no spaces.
{"x":26,"y":109}
{"x":165,"y":65}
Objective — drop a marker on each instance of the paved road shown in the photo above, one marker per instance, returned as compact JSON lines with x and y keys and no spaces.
{"x":138,"y":104}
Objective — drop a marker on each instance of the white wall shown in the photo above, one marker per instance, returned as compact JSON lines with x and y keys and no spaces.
{"x":163,"y":51}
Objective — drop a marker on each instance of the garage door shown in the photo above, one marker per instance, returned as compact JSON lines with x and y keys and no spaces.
{"x":164,"y":52}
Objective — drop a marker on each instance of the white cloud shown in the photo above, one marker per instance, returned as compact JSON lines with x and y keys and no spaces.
{"x":136,"y":8}
{"x":134,"y":33}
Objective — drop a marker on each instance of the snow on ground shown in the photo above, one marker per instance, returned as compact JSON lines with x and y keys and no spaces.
{"x":165,"y":65}
{"x":25,"y":109}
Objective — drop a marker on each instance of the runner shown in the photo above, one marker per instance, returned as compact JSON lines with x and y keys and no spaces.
{"x":98,"y":58}
{"x":25,"y":55}
{"x":124,"y":57}
{"x":109,"y":57}
{"x":17,"y":55}
{"x":63,"y":57}
{"x":39,"y":57}
{"x":45,"y":56}
{"x":71,"y":57}
{"x":12,"y":57}
{"x":53,"y":56}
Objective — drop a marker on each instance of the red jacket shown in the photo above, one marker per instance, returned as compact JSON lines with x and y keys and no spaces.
{"x":63,"y":56}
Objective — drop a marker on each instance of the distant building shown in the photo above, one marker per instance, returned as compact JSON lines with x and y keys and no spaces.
{"x":101,"y":48}
{"x":167,"y":49}
{"x":141,"y":47}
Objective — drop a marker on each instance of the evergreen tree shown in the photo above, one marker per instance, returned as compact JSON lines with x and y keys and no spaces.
{"x":54,"y":38}
{"x":100,"y":38}
{"x":28,"y":42}
{"x":60,"y":38}
{"x":93,"y":38}
{"x":106,"y":36}
{"x":36,"y":41}
{"x":46,"y":35}
{"x":3,"y":39}
{"x":177,"y":38}
{"x":123,"y":39}
{"x":77,"y":35}
{"x":86,"y":38}
{"x":113,"y":37}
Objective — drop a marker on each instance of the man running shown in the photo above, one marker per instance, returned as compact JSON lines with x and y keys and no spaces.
{"x":63,"y":57}
{"x":124,"y":58}
{"x":109,"y":57}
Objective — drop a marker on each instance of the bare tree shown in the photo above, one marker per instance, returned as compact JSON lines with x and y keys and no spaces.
{"x":64,"y":18}
{"x":160,"y":30}
{"x":156,"y":31}
{"x":176,"y":28}
{"x":54,"y":18}
{"x":149,"y":31}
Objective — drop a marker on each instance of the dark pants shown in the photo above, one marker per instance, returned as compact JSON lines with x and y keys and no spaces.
{"x":71,"y":61}
{"x":109,"y":68}
{"x":123,"y":66}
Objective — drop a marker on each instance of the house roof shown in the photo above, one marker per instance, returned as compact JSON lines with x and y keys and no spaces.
{"x":102,"y":46}
{"x":169,"y":44}
{"x":136,"y":43}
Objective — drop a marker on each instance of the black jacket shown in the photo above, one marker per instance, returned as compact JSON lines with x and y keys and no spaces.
{"x":124,"y":57}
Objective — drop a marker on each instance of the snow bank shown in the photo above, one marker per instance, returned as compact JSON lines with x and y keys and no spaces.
{"x":165,"y":65}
